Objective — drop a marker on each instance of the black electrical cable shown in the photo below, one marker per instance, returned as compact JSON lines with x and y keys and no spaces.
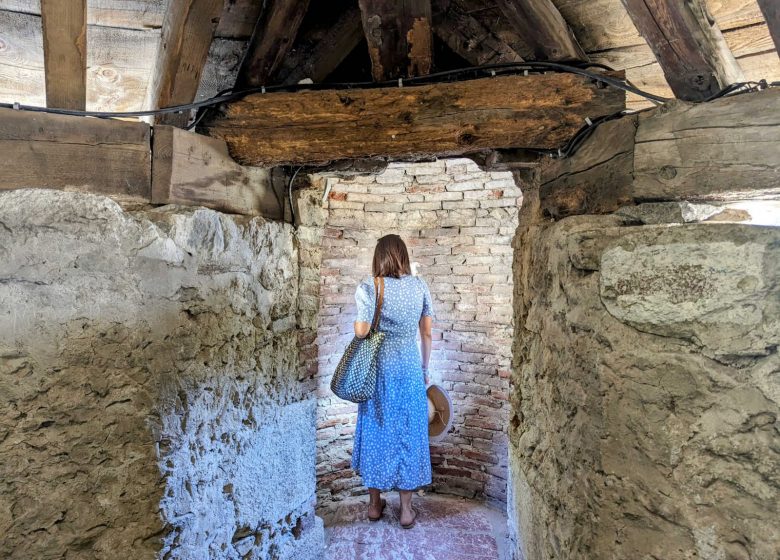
{"x":477,"y":71}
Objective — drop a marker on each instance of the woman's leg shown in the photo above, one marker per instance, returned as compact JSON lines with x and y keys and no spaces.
{"x":374,"y":502}
{"x":407,"y":514}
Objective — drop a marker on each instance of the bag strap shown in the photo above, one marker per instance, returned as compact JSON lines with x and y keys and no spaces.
{"x":379,"y":290}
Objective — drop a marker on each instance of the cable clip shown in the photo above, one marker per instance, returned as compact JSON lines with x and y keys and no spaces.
{"x":17,"y":107}
{"x":400,"y":82}
{"x":493,"y":73}
{"x":587,"y":120}
{"x":525,"y":72}
{"x":560,"y":153}
{"x":262,"y":89}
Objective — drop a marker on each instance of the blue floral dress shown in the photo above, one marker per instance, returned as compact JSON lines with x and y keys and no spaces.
{"x":391,"y":449}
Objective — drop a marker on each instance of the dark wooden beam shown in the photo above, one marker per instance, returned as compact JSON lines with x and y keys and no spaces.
{"x":65,"y":52}
{"x":468,"y":38}
{"x":314,"y":127}
{"x":272,"y":38}
{"x":400,"y":42}
{"x":317,"y":53}
{"x":542,"y":26}
{"x":771,"y":11}
{"x":186,"y":35}
{"x":40,"y":150}
{"x":688,"y":45}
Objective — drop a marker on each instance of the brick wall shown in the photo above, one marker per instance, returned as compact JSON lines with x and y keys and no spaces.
{"x":458,"y":223}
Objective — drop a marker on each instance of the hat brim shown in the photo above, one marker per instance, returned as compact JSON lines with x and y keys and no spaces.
{"x":442,"y":421}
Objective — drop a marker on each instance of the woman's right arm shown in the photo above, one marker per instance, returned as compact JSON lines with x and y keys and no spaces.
{"x":426,"y":338}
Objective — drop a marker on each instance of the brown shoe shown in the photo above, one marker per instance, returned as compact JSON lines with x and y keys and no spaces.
{"x":383,"y":503}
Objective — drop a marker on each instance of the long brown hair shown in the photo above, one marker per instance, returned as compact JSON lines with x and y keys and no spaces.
{"x":391,"y":257}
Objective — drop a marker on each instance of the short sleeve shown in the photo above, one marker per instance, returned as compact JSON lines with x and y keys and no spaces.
{"x":364,"y":298}
{"x":427,"y":308}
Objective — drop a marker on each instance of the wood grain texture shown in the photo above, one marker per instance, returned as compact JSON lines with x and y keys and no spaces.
{"x":688,"y":45}
{"x":119,"y":63}
{"x":597,"y":179}
{"x":238,"y":19}
{"x":64,"y":24}
{"x":540,"y":111}
{"x":74,"y":153}
{"x":543,"y":28}
{"x":196,"y":170}
{"x":771,"y":11}
{"x":272,"y":38}
{"x":399,"y":37}
{"x":467,"y":37}
{"x":319,"y":51}
{"x":128,"y":14}
{"x":186,"y":34}
{"x":717,"y":150}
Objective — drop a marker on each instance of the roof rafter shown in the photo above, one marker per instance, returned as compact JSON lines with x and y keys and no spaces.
{"x":318,"y":52}
{"x":771,"y":11}
{"x":400,"y":41}
{"x":467,"y":37}
{"x":273,"y":36}
{"x":186,"y":35}
{"x":65,"y":52}
{"x":688,"y":45}
{"x":542,"y":26}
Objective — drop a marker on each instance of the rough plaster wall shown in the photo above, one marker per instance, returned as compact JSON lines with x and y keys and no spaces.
{"x":153,"y":401}
{"x":646,"y":390}
{"x":458,"y":223}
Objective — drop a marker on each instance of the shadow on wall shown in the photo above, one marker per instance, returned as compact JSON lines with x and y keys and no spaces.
{"x":153,"y":396}
{"x":458,"y":223}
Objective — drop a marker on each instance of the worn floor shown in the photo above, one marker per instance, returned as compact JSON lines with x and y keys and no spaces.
{"x":447,"y":528}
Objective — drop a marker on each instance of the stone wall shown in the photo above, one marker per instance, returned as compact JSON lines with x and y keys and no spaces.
{"x":153,"y":397}
{"x":458,"y":223}
{"x":645,"y":388}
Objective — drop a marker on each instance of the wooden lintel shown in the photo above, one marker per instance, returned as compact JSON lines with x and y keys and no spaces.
{"x":196,"y":170}
{"x":543,"y":28}
{"x":468,"y":38}
{"x":399,"y":36}
{"x":40,"y":150}
{"x":272,"y":38}
{"x":688,"y":45}
{"x":185,"y":38}
{"x":316,"y":54}
{"x":721,"y":150}
{"x":771,"y":11}
{"x":65,"y":52}
{"x":445,"y":119}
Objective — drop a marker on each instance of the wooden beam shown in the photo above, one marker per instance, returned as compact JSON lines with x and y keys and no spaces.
{"x":184,"y":45}
{"x":771,"y":11}
{"x":718,"y":150}
{"x":317,"y":53}
{"x":400,"y":42}
{"x":196,"y":170}
{"x":538,"y":111}
{"x":688,"y":45}
{"x":273,"y":36}
{"x":40,"y":150}
{"x":64,"y":25}
{"x":542,"y":26}
{"x":596,"y":179}
{"x":468,"y":38}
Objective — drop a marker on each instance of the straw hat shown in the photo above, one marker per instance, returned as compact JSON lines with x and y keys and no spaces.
{"x":439,"y":413}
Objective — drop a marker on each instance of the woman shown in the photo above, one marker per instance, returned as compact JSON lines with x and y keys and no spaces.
{"x":391,"y":437}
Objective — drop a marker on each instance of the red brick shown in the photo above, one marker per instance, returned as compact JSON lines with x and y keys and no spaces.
{"x":337,"y":195}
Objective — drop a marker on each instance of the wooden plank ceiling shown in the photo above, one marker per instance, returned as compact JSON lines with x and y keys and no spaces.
{"x":131,"y":61}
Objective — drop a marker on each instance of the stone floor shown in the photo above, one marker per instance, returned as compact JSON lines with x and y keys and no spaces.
{"x":447,"y":528}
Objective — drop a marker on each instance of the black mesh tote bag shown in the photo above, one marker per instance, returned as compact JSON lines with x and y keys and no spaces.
{"x":355,"y":377}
